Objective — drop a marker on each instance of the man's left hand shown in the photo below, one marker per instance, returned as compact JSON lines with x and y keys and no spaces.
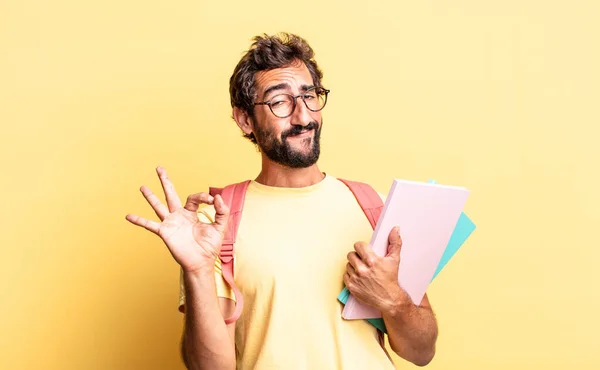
{"x":373,"y":280}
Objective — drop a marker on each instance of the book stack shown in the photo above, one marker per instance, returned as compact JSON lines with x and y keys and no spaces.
{"x":433,"y":227}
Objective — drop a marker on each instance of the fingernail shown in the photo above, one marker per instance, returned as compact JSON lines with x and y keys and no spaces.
{"x":398,"y":230}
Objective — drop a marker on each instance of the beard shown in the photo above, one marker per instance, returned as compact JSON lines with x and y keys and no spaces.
{"x":280,"y":150}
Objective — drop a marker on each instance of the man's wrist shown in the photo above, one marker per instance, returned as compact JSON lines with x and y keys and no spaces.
{"x":200,"y":270}
{"x":398,"y":303}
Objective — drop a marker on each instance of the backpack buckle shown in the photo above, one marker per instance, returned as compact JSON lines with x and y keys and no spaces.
{"x":226,"y":253}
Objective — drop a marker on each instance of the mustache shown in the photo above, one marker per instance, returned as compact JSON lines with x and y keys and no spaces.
{"x":297,"y":129}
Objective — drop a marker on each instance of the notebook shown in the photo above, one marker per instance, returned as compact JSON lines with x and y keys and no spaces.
{"x":464,"y":228}
{"x":427,"y":214}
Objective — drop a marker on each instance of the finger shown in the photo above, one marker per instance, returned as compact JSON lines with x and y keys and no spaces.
{"x":146,"y":224}
{"x":365,"y":253}
{"x":395,"y":243}
{"x":221,"y":212}
{"x":173,"y":201}
{"x":346,"y":279}
{"x":160,"y":209}
{"x":193,"y":201}
{"x":350,"y":269}
{"x":355,"y":261}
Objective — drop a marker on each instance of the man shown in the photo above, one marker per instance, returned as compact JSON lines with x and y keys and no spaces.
{"x":298,"y":242}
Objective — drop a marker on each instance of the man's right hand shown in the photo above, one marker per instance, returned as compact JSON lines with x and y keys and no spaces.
{"x":192,"y":243}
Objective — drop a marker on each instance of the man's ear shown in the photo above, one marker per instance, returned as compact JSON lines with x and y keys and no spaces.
{"x":243,"y":120}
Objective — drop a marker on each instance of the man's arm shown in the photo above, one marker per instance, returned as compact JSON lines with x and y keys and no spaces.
{"x":207,"y":342}
{"x":412,"y":330}
{"x":373,"y":280}
{"x":194,"y":245}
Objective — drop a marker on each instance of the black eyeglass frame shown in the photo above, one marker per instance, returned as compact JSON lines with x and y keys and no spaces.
{"x":320,"y":91}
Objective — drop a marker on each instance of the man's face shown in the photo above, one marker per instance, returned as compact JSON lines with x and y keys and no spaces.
{"x":292,"y":141}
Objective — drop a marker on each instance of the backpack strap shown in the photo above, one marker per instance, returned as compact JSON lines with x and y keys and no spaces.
{"x":233,"y":196}
{"x":372,"y":205}
{"x":367,"y":198}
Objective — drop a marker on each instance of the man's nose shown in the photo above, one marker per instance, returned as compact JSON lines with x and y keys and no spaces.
{"x":301,"y":116}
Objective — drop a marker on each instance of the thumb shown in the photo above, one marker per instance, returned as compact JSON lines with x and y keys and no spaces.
{"x":221,"y":213}
{"x":394,"y":243}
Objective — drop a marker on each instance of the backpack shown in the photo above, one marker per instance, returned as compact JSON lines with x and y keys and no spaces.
{"x":233,"y":195}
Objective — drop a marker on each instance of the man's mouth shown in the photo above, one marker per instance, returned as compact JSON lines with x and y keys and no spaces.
{"x":303,"y":133}
{"x":299,"y":131}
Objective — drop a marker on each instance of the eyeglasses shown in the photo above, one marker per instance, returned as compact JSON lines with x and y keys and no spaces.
{"x":283,"y":105}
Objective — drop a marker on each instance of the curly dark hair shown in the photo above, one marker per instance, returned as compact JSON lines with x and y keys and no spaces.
{"x":266,"y":53}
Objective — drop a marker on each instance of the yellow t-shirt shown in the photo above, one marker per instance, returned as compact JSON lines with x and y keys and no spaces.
{"x":290,"y":258}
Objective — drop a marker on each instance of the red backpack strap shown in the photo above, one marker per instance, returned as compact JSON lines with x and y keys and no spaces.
{"x":367,"y":198}
{"x":372,"y":205}
{"x":233,"y":196}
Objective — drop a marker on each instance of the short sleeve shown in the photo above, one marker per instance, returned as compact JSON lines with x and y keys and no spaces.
{"x":223,"y":289}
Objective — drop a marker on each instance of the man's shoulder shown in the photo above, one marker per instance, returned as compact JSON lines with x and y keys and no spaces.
{"x":223,"y":185}
{"x":383,"y":196}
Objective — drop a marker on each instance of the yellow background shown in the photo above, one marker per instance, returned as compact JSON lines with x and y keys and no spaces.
{"x":500,"y":97}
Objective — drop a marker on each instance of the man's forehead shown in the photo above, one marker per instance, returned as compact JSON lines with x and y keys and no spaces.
{"x":295,"y":74}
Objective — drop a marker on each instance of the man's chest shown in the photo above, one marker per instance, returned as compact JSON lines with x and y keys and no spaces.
{"x":300,"y":247}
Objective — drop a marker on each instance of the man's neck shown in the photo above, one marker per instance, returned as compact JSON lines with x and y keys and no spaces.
{"x":274,"y":174}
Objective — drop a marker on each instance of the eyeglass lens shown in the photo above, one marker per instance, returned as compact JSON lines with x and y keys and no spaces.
{"x":283,"y":104}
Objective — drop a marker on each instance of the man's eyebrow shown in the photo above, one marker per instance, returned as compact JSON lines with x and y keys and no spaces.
{"x":283,"y":86}
{"x":305,"y":88}
{"x":270,"y":89}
